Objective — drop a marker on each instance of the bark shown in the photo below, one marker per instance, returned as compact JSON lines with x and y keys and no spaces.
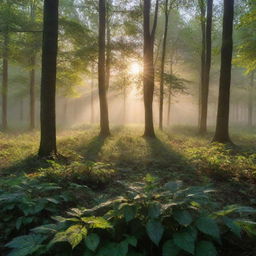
{"x":124,"y":101}
{"x":206,"y":62}
{"x":48,"y":146}
{"x":148,"y":74}
{"x":161,"y":100}
{"x":250,"y":101}
{"x":92,"y":101}
{"x":222,"y":125}
{"x":169,"y":108}
{"x":108,"y":48}
{"x":32,"y":75}
{"x":5,"y":82}
{"x":104,"y":121}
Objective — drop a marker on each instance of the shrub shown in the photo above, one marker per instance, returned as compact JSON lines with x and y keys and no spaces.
{"x":150,"y":220}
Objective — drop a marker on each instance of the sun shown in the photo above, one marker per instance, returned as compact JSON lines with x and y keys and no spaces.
{"x":135,"y":68}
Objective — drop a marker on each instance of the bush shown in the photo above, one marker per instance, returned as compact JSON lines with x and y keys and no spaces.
{"x":94,"y":174}
{"x":150,"y":220}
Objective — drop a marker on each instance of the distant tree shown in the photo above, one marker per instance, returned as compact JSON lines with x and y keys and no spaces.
{"x":206,"y":27}
{"x":148,"y":58}
{"x":104,"y":120}
{"x":222,"y":125}
{"x":48,"y":146}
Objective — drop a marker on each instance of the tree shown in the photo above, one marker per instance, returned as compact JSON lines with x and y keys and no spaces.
{"x":104,"y":121}
{"x":222,"y":125}
{"x":48,"y":146}
{"x":161,"y":103}
{"x":148,"y":59}
{"x":206,"y":27}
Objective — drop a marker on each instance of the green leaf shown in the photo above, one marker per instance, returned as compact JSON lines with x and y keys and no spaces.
{"x":173,"y":186}
{"x":154,"y":210}
{"x":97,"y":222}
{"x":25,"y":245}
{"x":185,"y":240}
{"x":236,"y":229}
{"x":129,"y":212}
{"x":205,"y":248}
{"x":132,"y":240}
{"x":170,"y":249}
{"x":183,"y":217}
{"x":155,"y":231}
{"x":75,"y":234}
{"x":208,"y":226}
{"x":92,"y":241}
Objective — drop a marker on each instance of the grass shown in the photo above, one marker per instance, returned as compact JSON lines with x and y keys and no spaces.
{"x":125,"y":158}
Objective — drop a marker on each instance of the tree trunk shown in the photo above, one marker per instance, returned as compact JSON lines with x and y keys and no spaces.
{"x":32,"y":93}
{"x":108,"y":48}
{"x":250,"y":101}
{"x":148,"y":74}
{"x":161,"y":104}
{"x":104,"y":121}
{"x":169,"y":108}
{"x":92,"y":101}
{"x":124,"y":101}
{"x":5,"y":82}
{"x":222,"y":125}
{"x":48,"y":146}
{"x":206,"y":58}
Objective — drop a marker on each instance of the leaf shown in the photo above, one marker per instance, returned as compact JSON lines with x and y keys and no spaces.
{"x":173,"y":186}
{"x":132,"y":240}
{"x":170,"y":249}
{"x":154,"y":210}
{"x":155,"y":231}
{"x":25,"y":245}
{"x":236,"y":229}
{"x":185,"y":240}
{"x":183,"y":217}
{"x":92,"y":241}
{"x":19,"y":222}
{"x":75,"y":234}
{"x":205,"y":248}
{"x":129,"y":212}
{"x":45,"y":229}
{"x":97,"y":222}
{"x":208,"y":226}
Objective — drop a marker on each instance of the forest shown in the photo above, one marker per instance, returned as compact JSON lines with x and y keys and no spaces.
{"x":127,"y":127}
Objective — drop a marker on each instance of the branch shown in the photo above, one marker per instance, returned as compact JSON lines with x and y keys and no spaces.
{"x":21,"y":31}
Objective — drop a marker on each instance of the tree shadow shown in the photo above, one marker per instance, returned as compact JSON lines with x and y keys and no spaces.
{"x":27,"y":165}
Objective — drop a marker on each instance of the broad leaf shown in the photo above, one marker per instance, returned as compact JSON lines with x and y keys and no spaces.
{"x":208,"y":226}
{"x":185,"y":240}
{"x":155,"y":231}
{"x":170,"y":249}
{"x":92,"y":241}
{"x":183,"y":217}
{"x":205,"y":248}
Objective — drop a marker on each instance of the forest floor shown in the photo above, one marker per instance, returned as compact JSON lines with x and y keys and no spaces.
{"x":109,"y":165}
{"x":96,"y":169}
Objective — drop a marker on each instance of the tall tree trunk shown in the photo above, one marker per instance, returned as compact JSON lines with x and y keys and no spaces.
{"x":148,"y":74}
{"x":250,"y":101}
{"x":92,"y":101}
{"x":5,"y":82}
{"x":104,"y":121}
{"x":124,"y":101}
{"x":206,"y":69}
{"x":169,"y":108}
{"x":32,"y":73}
{"x":108,"y":48}
{"x":21,"y":110}
{"x":161,"y":104}
{"x":222,"y":125}
{"x":48,"y":146}
{"x":32,"y":93}
{"x":203,"y":54}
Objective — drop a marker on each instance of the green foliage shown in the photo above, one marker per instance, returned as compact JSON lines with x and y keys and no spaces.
{"x":23,"y":203}
{"x":169,"y":221}
{"x":94,"y":174}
